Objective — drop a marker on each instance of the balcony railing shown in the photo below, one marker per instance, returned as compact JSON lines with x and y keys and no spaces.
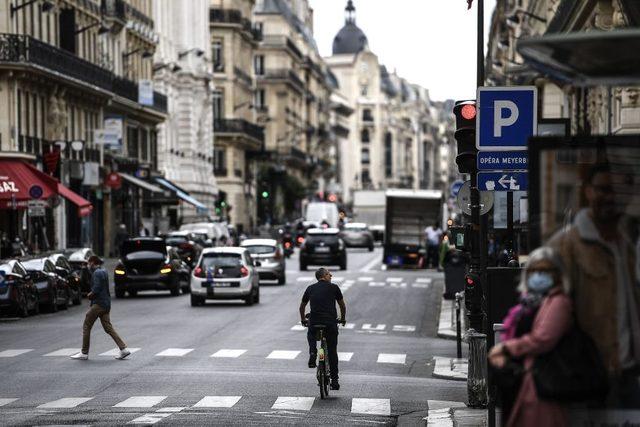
{"x":284,"y":74}
{"x":21,"y":49}
{"x":283,"y":41}
{"x":139,"y":16}
{"x":234,"y":16}
{"x":114,"y":9}
{"x":238,"y":126}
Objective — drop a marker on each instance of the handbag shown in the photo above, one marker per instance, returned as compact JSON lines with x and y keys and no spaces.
{"x":572,"y":372}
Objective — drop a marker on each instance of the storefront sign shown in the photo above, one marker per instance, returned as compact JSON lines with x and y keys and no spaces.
{"x":113,"y":180}
{"x":91,"y":174}
{"x":114,"y":130}
{"x":35,"y":191}
{"x":7,"y":185}
{"x":145,"y":92}
{"x":36,"y":208}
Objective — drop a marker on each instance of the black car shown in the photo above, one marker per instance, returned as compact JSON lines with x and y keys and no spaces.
{"x":18,"y":295}
{"x":145,"y":264}
{"x":323,"y":246}
{"x":73,"y":277}
{"x":78,"y":258}
{"x":53,"y":290}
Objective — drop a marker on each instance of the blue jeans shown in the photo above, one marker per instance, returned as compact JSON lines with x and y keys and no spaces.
{"x":331,"y":334}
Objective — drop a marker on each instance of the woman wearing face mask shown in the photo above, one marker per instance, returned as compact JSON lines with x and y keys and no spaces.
{"x":544,"y":290}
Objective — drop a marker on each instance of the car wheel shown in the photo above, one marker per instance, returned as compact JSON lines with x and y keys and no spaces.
{"x":22,"y":310}
{"x":67,"y":300}
{"x":119,"y":293}
{"x":77,"y":297}
{"x":133,"y":293}
{"x":282,"y":279}
{"x":53,"y":296}
{"x":303,"y":266}
{"x":36,"y":305}
{"x":256,"y":297}
{"x":343,"y":265}
{"x":371,"y":248}
{"x":250,"y":299}
{"x":196,"y":301}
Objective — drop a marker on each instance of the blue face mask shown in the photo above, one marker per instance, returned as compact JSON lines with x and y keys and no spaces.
{"x":539,"y":282}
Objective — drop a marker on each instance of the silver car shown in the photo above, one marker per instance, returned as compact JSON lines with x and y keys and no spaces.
{"x":225,"y":273}
{"x":269,"y":258}
{"x":357,"y":235}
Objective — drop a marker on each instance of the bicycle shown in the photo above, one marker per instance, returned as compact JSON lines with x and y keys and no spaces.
{"x":322,"y":364}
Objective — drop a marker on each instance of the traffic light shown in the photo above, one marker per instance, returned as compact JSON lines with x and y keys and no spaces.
{"x":265,"y":194}
{"x":465,"y":112}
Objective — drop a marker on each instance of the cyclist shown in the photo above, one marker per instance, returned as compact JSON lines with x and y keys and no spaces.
{"x":323,"y":296}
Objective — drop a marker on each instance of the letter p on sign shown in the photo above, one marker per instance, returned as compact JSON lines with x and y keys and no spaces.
{"x":501,"y":120}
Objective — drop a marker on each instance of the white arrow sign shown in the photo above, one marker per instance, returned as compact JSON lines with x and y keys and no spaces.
{"x":511,"y":181}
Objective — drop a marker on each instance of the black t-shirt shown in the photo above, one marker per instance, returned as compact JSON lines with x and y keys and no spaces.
{"x":323,"y":297}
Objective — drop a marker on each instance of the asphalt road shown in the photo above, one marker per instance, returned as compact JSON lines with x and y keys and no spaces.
{"x":178,"y":377}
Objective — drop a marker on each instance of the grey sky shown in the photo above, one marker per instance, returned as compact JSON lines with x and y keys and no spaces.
{"x":429,"y":42}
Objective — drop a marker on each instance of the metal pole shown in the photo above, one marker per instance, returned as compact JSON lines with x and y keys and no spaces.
{"x":510,"y":220}
{"x":458,"y":326}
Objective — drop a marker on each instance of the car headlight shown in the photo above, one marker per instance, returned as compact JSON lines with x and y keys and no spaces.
{"x":120,"y":272}
{"x":165,"y":270}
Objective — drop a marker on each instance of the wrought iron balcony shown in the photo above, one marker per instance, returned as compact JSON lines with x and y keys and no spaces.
{"x":238,"y":126}
{"x":234,"y":16}
{"x":19,"y":49}
{"x":284,"y":74}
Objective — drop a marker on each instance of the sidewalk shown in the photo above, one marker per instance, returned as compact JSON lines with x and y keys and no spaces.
{"x":454,"y":414}
{"x":449,"y":368}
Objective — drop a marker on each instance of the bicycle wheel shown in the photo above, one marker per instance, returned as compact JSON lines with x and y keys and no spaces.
{"x":322,"y":380}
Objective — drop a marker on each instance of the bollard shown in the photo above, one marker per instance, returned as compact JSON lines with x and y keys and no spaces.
{"x":477,"y":377}
{"x":459,"y":296}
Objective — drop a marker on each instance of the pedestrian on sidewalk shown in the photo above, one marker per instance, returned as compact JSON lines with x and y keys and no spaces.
{"x":99,"y":308}
{"x":545,"y":318}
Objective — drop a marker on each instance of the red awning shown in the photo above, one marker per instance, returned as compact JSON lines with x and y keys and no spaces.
{"x":21,"y":182}
{"x":84,"y":206}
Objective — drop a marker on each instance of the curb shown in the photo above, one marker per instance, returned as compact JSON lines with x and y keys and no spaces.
{"x":443,"y":369}
{"x":446,"y":326}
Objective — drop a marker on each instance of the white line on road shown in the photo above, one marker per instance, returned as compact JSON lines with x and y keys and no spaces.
{"x":369,"y":327}
{"x":149,"y":419}
{"x":424,"y":280}
{"x":294,"y":403}
{"x":349,"y":326}
{"x":140,"y":402}
{"x":365,"y":279}
{"x":65,"y":402}
{"x":392,"y":358}
{"x":15,"y":352}
{"x":367,"y":268}
{"x":116,"y":351}
{"x":228,"y":353}
{"x":283,"y":354}
{"x":6,"y":401}
{"x":394,"y":279}
{"x":175,"y":352}
{"x":371,"y":406}
{"x":64,"y":352}
{"x":217,"y":402}
{"x":344,"y":357}
{"x":403,"y":328}
{"x":398,"y":285}
{"x":420,"y":285}
{"x":305,"y":279}
{"x":377,"y":284}
{"x":298,"y":328}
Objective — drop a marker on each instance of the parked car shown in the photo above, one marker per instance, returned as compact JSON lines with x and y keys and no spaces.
{"x":18,"y":294}
{"x":323,"y":246}
{"x":78,"y":258}
{"x":186,"y":245}
{"x":146,"y":265}
{"x":53,"y":290}
{"x":225,"y":273}
{"x":268,"y":257}
{"x":73,"y":277}
{"x":357,"y":235}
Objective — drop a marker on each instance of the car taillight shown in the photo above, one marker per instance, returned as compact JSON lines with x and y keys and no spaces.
{"x":199,"y":272}
{"x":244,"y":271}
{"x":287,"y":245}
{"x":300,"y":240}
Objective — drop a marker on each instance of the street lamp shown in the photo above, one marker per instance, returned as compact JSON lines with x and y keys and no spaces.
{"x":145,"y":53}
{"x":197,"y":51}
{"x":173,"y":67}
{"x":102,"y":30}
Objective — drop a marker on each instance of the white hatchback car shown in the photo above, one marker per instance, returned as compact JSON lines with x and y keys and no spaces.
{"x":225,"y":273}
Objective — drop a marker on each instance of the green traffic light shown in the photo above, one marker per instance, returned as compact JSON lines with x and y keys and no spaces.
{"x":223,"y":204}
{"x":265,"y":194}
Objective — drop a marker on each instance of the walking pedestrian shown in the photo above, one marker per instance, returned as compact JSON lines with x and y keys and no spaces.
{"x":121,"y":235}
{"x":545,"y":316}
{"x":432,"y":235}
{"x":99,"y":309}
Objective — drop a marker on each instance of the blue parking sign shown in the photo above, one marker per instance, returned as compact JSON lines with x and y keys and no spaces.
{"x":507,"y":117}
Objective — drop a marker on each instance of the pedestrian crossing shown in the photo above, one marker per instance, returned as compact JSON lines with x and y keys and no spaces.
{"x":366,"y":327}
{"x":389,"y":282}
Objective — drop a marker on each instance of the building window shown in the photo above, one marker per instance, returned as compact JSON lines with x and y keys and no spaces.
{"x":260,"y":101}
{"x":218,"y":105}
{"x":258,"y":65}
{"x":366,"y":115}
{"x":364,"y":90}
{"x":388,"y":154}
{"x":217,"y":56}
{"x":364,"y":135}
{"x":366,"y":178}
{"x":220,"y":162}
{"x":365,"y":156}
{"x":132,"y":142}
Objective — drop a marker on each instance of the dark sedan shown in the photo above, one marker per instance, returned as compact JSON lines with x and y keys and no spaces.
{"x":53,"y":290}
{"x":145,"y":265}
{"x":18,"y":295}
{"x":323,"y":246}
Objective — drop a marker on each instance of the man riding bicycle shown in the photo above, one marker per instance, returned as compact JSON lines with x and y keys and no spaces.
{"x":323,"y":296}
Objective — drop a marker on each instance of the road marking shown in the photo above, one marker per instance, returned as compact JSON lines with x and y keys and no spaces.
{"x":344,"y":357}
{"x":15,"y":352}
{"x":367,"y":268}
{"x":298,"y":328}
{"x":392,"y":358}
{"x":228,"y":353}
{"x":140,"y":402}
{"x":294,"y":403}
{"x":304,"y":279}
{"x":171,"y":409}
{"x":420,"y":285}
{"x":283,"y":354}
{"x":377,"y":284}
{"x":337,"y":279}
{"x":394,"y":279}
{"x":398,"y":285}
{"x":175,"y":352}
{"x":64,"y":352}
{"x":7,"y":400}
{"x":148,"y":419}
{"x":369,"y":327}
{"x":365,"y":279}
{"x":116,"y":351}
{"x":424,"y":280}
{"x":65,"y":402}
{"x":371,"y":406}
{"x":217,"y":402}
{"x":349,"y":282}
{"x":349,"y":326}
{"x":404,"y":328}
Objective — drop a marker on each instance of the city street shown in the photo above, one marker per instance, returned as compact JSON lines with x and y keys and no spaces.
{"x":229,"y":364}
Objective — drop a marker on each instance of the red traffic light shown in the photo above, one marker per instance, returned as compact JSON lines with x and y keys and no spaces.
{"x":470,"y":281}
{"x":468,"y":112}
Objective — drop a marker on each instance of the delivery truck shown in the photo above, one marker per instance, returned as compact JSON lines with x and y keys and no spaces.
{"x":369,"y":207}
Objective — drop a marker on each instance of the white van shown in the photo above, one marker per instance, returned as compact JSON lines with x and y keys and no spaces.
{"x":323,"y":211}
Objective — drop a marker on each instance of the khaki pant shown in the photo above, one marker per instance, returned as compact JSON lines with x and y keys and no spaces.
{"x":93,"y":314}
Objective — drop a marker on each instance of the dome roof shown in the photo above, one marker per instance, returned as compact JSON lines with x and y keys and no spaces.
{"x":350,"y":39}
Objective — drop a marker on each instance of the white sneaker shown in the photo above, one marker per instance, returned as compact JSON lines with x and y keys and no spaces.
{"x":80,"y":356}
{"x":123,"y":353}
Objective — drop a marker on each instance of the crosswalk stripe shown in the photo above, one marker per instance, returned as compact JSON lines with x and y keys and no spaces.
{"x":65,"y":402}
{"x":6,"y":400}
{"x":344,"y":357}
{"x":398,"y":285}
{"x":404,"y":328}
{"x":15,"y":352}
{"x":392,"y":358}
{"x":116,"y":351}
{"x":64,"y":352}
{"x":394,"y":279}
{"x":365,"y":279}
{"x":283,"y":354}
{"x":140,"y":402}
{"x":369,"y":327}
{"x":294,"y":403}
{"x":377,"y":284}
{"x":175,"y":352}
{"x":420,"y":285}
{"x":217,"y":402}
{"x":228,"y":353}
{"x":304,"y":279}
{"x":349,"y":326}
{"x":371,"y":406}
{"x":298,"y":328}
{"x":149,"y":419}
{"x":424,"y":280}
